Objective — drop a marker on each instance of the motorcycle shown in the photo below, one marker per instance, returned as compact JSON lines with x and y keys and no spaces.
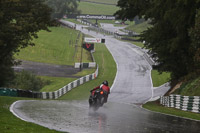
{"x":96,"y":100}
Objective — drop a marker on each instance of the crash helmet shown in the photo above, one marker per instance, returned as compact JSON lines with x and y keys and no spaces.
{"x":105,"y":82}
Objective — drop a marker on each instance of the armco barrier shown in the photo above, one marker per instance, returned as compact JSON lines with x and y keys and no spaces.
{"x":48,"y":95}
{"x":186,"y":103}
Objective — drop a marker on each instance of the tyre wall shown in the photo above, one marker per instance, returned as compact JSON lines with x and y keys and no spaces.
{"x":185,"y":103}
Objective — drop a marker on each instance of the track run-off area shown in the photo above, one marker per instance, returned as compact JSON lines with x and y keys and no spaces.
{"x":122,"y":114}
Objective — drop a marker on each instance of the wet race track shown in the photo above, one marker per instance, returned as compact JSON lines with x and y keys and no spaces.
{"x":122,"y":113}
{"x":75,"y":117}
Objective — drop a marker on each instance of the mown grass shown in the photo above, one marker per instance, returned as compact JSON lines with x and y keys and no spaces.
{"x":85,"y":71}
{"x":102,"y":21}
{"x":139,"y":44}
{"x":107,"y":71}
{"x":55,"y":47}
{"x":55,"y":83}
{"x":139,"y":28}
{"x":105,"y":1}
{"x":11,"y":124}
{"x":58,"y":82}
{"x":155,"y":106}
{"x":99,"y":9}
{"x":73,"y":20}
{"x":159,"y":79}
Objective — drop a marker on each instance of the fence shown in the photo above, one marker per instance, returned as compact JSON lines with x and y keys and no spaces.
{"x":186,"y":103}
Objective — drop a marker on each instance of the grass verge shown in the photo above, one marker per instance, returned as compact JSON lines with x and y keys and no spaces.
{"x":11,"y":124}
{"x":104,"y":1}
{"x":55,"y":47}
{"x":159,"y":79}
{"x":58,"y":82}
{"x":155,"y":106}
{"x":139,"y":44}
{"x":139,"y":28}
{"x":93,"y":8}
{"x":73,"y":21}
{"x":55,"y":83}
{"x":85,"y":72}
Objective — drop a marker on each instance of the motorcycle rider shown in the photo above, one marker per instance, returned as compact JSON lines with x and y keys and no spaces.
{"x":104,"y":86}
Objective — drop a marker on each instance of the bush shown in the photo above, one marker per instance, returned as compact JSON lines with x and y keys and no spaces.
{"x":28,"y":81}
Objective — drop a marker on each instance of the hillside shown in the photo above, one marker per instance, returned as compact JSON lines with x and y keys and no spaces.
{"x":189,"y":88}
{"x":98,"y":7}
{"x":138,"y":28}
{"x":55,"y":47}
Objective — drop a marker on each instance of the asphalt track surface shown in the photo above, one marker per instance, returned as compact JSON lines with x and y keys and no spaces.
{"x":44,"y":69}
{"x":122,"y":113}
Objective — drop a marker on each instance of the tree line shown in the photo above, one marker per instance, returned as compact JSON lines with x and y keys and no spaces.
{"x":20,"y":20}
{"x":174,"y":38}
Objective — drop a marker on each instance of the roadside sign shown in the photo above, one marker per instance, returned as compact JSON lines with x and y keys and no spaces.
{"x":88,"y":46}
{"x":94,"y":40}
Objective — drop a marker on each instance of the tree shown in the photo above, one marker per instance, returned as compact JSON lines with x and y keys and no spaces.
{"x":194,"y":33}
{"x":28,"y":81}
{"x":168,"y":39}
{"x":20,"y":20}
{"x":63,"y":7}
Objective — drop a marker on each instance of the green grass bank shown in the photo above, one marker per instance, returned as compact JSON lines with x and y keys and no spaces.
{"x":104,"y":1}
{"x":189,"y":88}
{"x":159,"y":79}
{"x":139,"y":28}
{"x":55,"y":83}
{"x":55,"y":47}
{"x":11,"y":124}
{"x":97,"y":9}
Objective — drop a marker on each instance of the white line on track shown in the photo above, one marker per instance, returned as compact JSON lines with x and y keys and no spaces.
{"x":11,"y":110}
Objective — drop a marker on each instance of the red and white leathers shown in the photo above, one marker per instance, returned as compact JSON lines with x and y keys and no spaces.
{"x":103,"y":87}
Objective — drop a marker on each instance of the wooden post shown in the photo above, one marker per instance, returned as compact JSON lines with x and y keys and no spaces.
{"x":81,"y":52}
